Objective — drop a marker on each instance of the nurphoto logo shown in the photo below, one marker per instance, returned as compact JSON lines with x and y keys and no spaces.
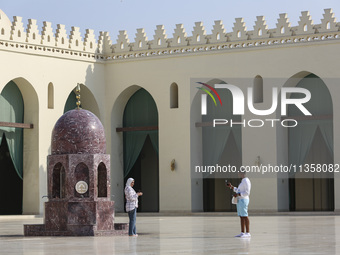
{"x":239,"y":104}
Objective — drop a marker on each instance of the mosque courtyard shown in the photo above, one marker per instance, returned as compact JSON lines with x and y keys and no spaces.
{"x":291,"y":233}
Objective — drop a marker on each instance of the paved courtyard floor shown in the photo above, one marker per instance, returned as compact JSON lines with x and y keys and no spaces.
{"x":186,"y":235}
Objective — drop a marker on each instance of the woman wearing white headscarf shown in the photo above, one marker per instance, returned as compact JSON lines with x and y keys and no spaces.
{"x":131,"y":205}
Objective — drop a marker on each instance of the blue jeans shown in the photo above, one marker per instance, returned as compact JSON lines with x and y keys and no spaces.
{"x":132,"y":223}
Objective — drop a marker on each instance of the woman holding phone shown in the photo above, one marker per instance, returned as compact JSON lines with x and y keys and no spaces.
{"x":131,"y":205}
{"x":242,"y":194}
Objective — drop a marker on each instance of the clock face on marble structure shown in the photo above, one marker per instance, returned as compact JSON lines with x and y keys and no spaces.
{"x":78,"y":180}
{"x":81,"y":187}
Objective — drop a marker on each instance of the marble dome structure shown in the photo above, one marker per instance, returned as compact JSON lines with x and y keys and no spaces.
{"x":78,"y":132}
{"x":78,"y":181}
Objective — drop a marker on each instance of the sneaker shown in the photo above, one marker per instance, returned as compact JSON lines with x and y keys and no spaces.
{"x":240,"y":235}
{"x":246,"y":235}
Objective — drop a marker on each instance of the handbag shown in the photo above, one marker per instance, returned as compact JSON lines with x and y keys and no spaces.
{"x":234,"y":200}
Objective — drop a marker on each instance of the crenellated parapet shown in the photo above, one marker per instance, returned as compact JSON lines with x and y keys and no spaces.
{"x":61,"y":43}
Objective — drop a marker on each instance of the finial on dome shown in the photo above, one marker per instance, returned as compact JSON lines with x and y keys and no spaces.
{"x":78,"y":96}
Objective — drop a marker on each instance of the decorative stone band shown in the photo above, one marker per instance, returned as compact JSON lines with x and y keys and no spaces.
{"x":197,"y":49}
{"x":42,"y":50}
{"x":13,"y":37}
{"x":218,"y":47}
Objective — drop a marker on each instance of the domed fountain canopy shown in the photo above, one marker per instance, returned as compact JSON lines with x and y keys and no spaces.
{"x":78,"y":132}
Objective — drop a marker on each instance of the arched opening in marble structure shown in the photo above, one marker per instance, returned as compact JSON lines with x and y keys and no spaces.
{"x":58,"y":181}
{"x":81,"y":173}
{"x":102,"y":180}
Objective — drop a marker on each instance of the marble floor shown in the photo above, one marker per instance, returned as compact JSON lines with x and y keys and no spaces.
{"x":186,"y":235}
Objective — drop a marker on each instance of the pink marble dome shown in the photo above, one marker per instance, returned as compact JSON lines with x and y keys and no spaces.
{"x":78,"y":132}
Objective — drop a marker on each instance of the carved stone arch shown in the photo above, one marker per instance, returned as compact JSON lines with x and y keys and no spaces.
{"x":58,"y":181}
{"x":102,"y":180}
{"x":82,"y":173}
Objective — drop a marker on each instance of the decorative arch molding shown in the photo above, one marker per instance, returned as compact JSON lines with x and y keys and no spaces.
{"x":292,"y":81}
{"x":120,"y":103}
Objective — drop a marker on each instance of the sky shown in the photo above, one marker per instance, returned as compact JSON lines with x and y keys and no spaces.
{"x":129,"y":15}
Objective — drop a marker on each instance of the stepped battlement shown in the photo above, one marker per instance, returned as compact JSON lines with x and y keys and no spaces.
{"x":14,"y":37}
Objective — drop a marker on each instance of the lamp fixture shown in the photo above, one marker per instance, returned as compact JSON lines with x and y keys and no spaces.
{"x":258,"y":161}
{"x":173,"y":165}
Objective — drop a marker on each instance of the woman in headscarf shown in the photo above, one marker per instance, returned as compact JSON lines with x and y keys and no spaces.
{"x":131,"y":205}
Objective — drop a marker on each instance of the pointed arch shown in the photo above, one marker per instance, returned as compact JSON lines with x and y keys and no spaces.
{"x":135,"y":108}
{"x":209,"y":145}
{"x":140,"y":111}
{"x":321,"y":107}
{"x":11,"y":150}
{"x":312,"y":136}
{"x":82,"y":173}
{"x":117,"y":161}
{"x":58,"y":182}
{"x":30,"y":156}
{"x":87,"y":99}
{"x":102,"y":180}
{"x":12,"y":110}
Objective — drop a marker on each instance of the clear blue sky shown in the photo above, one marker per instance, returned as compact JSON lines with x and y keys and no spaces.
{"x":115,"y":15}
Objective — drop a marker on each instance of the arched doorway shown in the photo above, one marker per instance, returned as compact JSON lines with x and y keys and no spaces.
{"x":140,"y":146}
{"x":11,"y":150}
{"x":222,"y":146}
{"x":310,"y":143}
